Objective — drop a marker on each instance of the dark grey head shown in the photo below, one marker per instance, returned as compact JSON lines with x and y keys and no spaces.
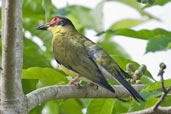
{"x":63,"y":21}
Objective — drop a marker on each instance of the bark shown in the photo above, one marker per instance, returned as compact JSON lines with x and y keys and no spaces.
{"x":12,"y":96}
{"x":60,"y":92}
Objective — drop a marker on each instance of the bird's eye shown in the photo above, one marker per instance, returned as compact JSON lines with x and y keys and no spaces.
{"x":55,"y":19}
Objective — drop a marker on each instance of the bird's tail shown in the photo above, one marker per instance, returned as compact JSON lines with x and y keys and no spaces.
{"x":133,"y":92}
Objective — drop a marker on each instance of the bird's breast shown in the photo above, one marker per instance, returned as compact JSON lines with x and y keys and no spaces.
{"x":60,"y":49}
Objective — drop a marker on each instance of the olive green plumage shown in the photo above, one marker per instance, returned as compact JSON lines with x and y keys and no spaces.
{"x":81,"y":55}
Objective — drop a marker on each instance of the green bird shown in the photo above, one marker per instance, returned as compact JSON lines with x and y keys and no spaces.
{"x":84,"y":58}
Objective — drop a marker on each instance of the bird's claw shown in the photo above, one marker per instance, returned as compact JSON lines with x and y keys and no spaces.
{"x":72,"y":82}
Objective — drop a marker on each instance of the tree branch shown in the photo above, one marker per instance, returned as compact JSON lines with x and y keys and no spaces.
{"x":159,"y":110}
{"x":165,"y":91}
{"x":65,"y":91}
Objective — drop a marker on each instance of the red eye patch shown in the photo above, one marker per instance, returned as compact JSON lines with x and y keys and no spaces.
{"x":54,"y":20}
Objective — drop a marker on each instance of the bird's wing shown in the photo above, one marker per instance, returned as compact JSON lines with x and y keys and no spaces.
{"x":82,"y":63}
{"x":111,"y":69}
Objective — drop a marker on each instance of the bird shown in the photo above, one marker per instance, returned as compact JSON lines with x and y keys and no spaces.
{"x":84,"y":58}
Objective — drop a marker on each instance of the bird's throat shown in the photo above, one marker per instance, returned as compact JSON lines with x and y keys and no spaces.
{"x":55,"y":30}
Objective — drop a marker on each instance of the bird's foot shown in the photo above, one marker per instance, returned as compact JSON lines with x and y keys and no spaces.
{"x":72,"y":82}
{"x":93,"y":85}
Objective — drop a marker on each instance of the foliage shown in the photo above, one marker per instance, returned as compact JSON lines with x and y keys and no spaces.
{"x":38,"y":71}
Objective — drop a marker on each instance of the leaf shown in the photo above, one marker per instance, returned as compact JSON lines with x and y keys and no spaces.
{"x":158,"y":43}
{"x":85,"y":102}
{"x":141,"y":34}
{"x":166,"y":101}
{"x":33,"y":56}
{"x":157,"y":85}
{"x":151,"y":94}
{"x":51,"y":107}
{"x":135,"y":106}
{"x":146,"y":80}
{"x":120,"y":107}
{"x":158,"y":2}
{"x":97,"y":14}
{"x":169,"y":45}
{"x":125,"y":23}
{"x":47,"y":6}
{"x":100,"y":106}
{"x":113,"y":48}
{"x":131,"y":3}
{"x":33,"y":9}
{"x":71,"y":106}
{"x":44,"y":73}
{"x":29,"y":85}
{"x":37,"y":109}
{"x":150,"y":102}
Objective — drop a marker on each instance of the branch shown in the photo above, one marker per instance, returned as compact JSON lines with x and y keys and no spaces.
{"x":165,"y":91}
{"x":65,"y":91}
{"x":159,"y":110}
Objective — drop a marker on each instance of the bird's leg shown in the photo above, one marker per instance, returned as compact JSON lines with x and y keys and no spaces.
{"x":72,"y":82}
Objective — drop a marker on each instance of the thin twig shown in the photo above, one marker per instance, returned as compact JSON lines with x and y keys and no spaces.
{"x":165,"y":91}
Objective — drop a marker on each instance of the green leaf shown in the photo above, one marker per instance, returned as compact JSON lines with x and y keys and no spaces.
{"x":158,"y":43}
{"x":33,"y":9}
{"x":29,"y":85}
{"x":157,"y":85}
{"x":125,"y":23}
{"x":51,"y":107}
{"x":146,"y":80}
{"x":47,"y":6}
{"x":135,"y":106}
{"x":37,"y":109}
{"x":97,"y":14}
{"x":158,"y":2}
{"x":71,"y":106}
{"x":141,"y":34}
{"x":120,"y":107}
{"x":169,"y":45}
{"x":131,"y":3}
{"x":33,"y":56}
{"x":150,"y":102}
{"x":166,"y":101}
{"x":100,"y":106}
{"x":85,"y":102}
{"x":113,"y":48}
{"x":151,"y":94}
{"x":44,"y":73}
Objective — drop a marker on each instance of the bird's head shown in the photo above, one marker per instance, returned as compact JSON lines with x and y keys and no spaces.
{"x":56,"y":24}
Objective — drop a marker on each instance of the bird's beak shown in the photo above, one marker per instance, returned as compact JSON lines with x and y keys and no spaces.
{"x":43,"y":27}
